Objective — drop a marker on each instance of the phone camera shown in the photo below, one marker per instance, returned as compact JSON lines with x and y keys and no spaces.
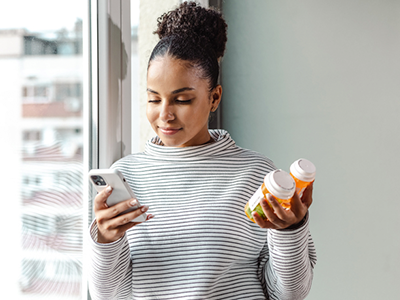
{"x":98,"y":180}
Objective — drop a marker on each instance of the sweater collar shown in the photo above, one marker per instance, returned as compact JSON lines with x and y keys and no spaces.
{"x":222,"y":138}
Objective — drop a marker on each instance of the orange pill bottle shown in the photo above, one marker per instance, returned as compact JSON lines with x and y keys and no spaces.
{"x":303,"y":172}
{"x":278,"y":183}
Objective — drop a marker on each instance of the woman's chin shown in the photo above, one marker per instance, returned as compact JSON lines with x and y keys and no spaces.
{"x":169,"y":141}
{"x":180,"y":139}
{"x":169,"y":144}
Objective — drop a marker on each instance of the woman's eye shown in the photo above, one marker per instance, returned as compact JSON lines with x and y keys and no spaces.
{"x":153,"y":101}
{"x":183,"y":101}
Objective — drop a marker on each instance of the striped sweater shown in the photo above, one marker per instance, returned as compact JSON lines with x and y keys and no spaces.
{"x":200,"y":244}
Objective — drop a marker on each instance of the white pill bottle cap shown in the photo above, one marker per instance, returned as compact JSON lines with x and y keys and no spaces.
{"x":280,"y":184}
{"x":303,"y":170}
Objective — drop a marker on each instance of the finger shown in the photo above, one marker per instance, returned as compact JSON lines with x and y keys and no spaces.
{"x":307,"y":195}
{"x":277,"y":214}
{"x":263,"y":223}
{"x":101,"y":198}
{"x":118,"y":208}
{"x":269,"y":212}
{"x":128,"y":217}
{"x":106,"y":219}
{"x":297,"y":206}
{"x":114,"y":234}
{"x":123,"y":228}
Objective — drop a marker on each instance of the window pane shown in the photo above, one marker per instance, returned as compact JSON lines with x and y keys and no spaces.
{"x":41,"y":73}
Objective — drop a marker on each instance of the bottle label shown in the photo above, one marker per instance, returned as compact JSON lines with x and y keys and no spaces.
{"x":300,"y":191}
{"x":256,"y":198}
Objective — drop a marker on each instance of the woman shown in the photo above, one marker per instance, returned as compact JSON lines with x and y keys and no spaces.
{"x":196,"y":182}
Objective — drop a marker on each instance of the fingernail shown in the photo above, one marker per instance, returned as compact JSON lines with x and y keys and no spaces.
{"x":150,"y":217}
{"x":133,"y":203}
{"x":105,"y":205}
{"x":270,"y":198}
{"x":109,"y":189}
{"x":144,"y":208}
{"x":263,"y":202}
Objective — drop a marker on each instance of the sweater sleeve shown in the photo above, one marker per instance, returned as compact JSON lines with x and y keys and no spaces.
{"x":110,"y":268}
{"x":287,"y":262}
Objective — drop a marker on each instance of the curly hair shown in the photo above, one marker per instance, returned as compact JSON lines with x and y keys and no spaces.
{"x":194,"y":34}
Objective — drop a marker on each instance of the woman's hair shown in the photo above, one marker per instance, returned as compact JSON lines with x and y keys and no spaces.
{"x":193,"y":34}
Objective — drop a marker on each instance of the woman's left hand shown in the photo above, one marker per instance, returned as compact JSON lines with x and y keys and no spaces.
{"x":280,"y":218}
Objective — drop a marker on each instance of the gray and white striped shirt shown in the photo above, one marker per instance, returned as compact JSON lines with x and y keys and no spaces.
{"x":200,"y":244}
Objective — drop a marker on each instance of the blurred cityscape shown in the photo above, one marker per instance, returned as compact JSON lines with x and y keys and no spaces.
{"x":41,"y":83}
{"x":47,"y":67}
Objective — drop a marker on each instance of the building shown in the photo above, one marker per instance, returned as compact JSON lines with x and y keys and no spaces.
{"x":41,"y":81}
{"x":46,"y":72}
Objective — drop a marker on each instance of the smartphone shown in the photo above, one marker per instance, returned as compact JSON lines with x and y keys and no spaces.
{"x":100,"y":178}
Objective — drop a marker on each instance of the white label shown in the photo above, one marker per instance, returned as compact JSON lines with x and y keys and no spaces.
{"x":300,"y":191}
{"x":256,"y":198}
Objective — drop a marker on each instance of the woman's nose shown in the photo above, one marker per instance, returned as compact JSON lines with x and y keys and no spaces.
{"x":166,"y":113}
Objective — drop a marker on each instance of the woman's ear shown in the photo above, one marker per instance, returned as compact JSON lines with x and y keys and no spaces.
{"x":216,"y":96}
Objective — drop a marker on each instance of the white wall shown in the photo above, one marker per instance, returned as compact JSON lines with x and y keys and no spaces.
{"x":66,"y":68}
{"x":321,"y":80}
{"x":14,"y":43}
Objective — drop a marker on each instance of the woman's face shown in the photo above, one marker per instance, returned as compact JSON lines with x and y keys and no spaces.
{"x":179,"y":102}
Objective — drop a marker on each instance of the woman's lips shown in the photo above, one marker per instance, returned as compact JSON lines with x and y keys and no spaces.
{"x":169,"y":131}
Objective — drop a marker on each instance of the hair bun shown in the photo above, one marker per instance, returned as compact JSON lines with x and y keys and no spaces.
{"x":191,"y":20}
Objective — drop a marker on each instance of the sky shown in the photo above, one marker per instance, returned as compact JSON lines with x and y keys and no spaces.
{"x":47,"y":15}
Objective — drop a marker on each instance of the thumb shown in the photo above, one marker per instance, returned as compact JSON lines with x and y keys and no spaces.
{"x":307,"y":195}
{"x":101,"y":198}
{"x":297,"y":206}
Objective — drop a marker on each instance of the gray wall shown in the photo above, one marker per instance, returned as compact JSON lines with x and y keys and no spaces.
{"x":321,"y":80}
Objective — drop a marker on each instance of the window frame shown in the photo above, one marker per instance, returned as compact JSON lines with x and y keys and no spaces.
{"x":107,"y":94}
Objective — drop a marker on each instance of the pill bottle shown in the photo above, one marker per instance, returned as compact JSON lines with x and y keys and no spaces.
{"x":303,"y":172}
{"x":278,"y":183}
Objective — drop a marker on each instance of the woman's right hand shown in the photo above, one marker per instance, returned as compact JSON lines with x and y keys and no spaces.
{"x":112,"y":227}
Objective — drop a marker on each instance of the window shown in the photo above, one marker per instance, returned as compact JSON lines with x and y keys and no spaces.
{"x":58,"y":125}
{"x":64,"y":91}
{"x":32,"y":135}
{"x":42,"y":71}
